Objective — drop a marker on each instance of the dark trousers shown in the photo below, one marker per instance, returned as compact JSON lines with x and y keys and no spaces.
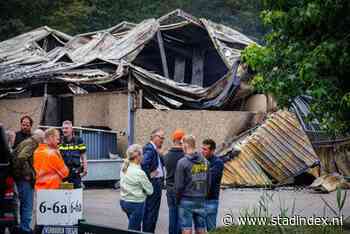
{"x":134,"y":211}
{"x":152,"y":206}
{"x":76,"y":181}
{"x":74,"y":177}
{"x":174,"y":225}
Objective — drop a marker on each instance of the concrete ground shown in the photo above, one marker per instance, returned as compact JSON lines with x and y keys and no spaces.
{"x":101,"y":206}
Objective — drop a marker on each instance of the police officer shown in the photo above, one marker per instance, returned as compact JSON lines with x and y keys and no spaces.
{"x":73,"y":151}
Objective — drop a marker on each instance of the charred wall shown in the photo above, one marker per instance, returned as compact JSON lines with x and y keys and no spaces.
{"x":11,"y":111}
{"x":217,"y":125}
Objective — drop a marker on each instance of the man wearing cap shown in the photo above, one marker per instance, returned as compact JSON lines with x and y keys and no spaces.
{"x":174,"y":154}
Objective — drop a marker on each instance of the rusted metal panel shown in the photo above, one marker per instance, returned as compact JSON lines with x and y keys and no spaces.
{"x":279,"y":149}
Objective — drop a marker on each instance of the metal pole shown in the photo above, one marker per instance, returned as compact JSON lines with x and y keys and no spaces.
{"x":43,"y":107}
{"x":131,"y":109}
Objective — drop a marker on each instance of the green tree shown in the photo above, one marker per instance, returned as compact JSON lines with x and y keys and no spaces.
{"x":307,"y":52}
{"x":78,"y":16}
{"x":69,"y":16}
{"x":19,"y":16}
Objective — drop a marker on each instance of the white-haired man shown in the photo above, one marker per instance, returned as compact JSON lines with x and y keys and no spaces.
{"x":73,"y":151}
{"x":153,"y":164}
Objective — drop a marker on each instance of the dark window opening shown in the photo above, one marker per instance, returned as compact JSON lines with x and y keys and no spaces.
{"x":190,"y":54}
{"x":57,"y":109}
{"x":49,"y":43}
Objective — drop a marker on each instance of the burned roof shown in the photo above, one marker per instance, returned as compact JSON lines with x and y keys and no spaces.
{"x":32,"y":47}
{"x":172,"y":55}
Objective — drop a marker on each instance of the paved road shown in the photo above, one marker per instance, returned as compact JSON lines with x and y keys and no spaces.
{"x":101,"y":206}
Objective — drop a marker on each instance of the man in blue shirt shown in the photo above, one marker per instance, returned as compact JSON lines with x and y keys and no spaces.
{"x":216,"y":167}
{"x":153,"y":164}
{"x":73,"y":151}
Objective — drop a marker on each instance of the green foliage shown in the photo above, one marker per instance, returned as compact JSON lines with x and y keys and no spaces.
{"x":306,"y":53}
{"x":78,"y":16}
{"x":69,"y":15}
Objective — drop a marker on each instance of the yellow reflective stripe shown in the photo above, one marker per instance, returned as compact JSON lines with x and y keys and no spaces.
{"x":63,"y":147}
{"x":72,"y":147}
{"x":82,"y":146}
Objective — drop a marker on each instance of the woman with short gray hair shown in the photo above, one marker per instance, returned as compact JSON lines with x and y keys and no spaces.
{"x":134,"y":187}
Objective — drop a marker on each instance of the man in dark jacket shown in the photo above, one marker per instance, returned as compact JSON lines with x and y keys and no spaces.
{"x":216,"y":167}
{"x":25,"y":132}
{"x":191,"y":186}
{"x":174,"y":154}
{"x":152,"y":164}
{"x":24,"y":175}
{"x":73,"y":150}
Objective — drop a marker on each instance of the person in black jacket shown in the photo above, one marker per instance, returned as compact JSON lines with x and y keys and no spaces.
{"x":216,"y":167}
{"x":73,"y":150}
{"x":174,"y":154}
{"x":152,"y":164}
{"x":25,"y":132}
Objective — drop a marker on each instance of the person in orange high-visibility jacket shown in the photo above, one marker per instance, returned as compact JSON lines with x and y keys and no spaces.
{"x":48,"y":162}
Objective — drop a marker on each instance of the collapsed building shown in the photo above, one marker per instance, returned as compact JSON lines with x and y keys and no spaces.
{"x":174,"y":71}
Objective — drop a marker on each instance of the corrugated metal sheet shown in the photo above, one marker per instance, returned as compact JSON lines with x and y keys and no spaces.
{"x":333,"y":151}
{"x":318,"y":137}
{"x":279,"y":149}
{"x":244,"y":171}
{"x":31,"y":47}
{"x":99,"y":143}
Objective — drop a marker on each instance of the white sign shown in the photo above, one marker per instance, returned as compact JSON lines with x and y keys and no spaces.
{"x":59,"y":207}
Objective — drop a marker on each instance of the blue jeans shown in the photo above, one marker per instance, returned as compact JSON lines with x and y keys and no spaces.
{"x":25,"y":195}
{"x":192,"y":210}
{"x":211,"y":207}
{"x":134,"y":211}
{"x":174,"y":226}
{"x":152,"y":206}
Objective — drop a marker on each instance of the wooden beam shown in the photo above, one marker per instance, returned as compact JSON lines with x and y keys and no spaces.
{"x":140,"y":98}
{"x":179,"y":71}
{"x":162,"y":54}
{"x":44,"y":106}
{"x":131,"y":110}
{"x":197,"y":67}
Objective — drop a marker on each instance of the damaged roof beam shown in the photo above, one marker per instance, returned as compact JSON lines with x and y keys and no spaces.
{"x":162,"y":54}
{"x":198,"y":67}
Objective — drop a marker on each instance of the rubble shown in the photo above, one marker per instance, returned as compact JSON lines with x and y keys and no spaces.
{"x":271,"y":154}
